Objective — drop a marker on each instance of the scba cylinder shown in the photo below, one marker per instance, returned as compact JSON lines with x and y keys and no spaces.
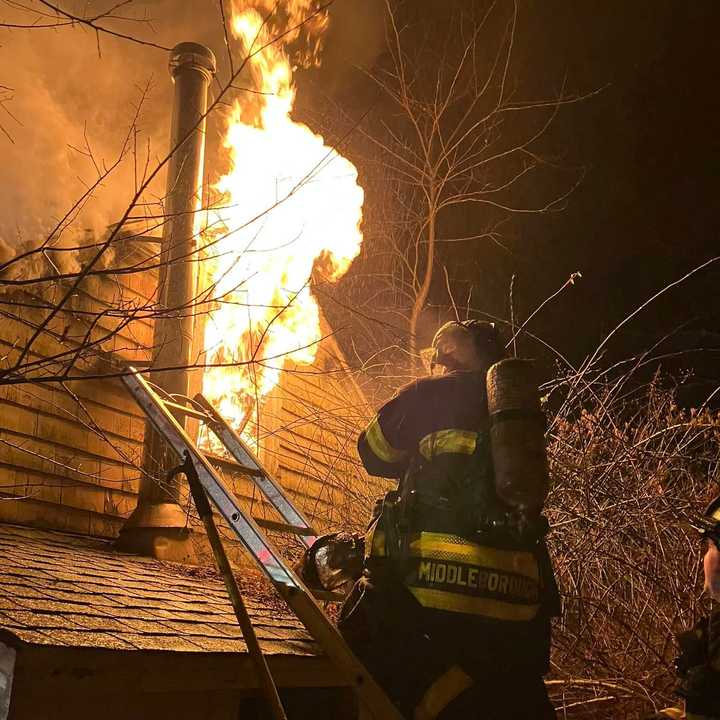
{"x":517,"y":434}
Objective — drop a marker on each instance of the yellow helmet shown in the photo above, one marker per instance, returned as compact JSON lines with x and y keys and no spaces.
{"x":711,"y":522}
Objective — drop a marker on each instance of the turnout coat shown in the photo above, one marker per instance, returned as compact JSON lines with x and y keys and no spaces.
{"x":444,"y":590}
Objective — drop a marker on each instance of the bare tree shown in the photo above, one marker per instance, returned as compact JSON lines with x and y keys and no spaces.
{"x":454,"y":143}
{"x":44,"y":15}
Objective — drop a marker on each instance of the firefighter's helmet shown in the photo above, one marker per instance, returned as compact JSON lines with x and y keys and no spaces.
{"x":460,"y":345}
{"x":711,"y":521}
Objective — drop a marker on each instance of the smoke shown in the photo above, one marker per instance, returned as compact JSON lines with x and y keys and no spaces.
{"x":356,"y":39}
{"x":67,"y":117}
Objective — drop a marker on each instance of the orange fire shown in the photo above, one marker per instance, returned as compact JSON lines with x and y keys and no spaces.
{"x":287,"y":201}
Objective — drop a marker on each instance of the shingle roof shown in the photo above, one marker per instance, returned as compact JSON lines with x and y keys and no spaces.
{"x":74,"y":591}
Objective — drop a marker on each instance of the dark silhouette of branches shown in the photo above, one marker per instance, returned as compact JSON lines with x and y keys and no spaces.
{"x":43,"y":15}
{"x":630,"y":475}
{"x":454,"y":140}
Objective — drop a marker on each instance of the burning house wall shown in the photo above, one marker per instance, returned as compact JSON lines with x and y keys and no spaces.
{"x":289,"y":206}
{"x":73,"y":464}
{"x":308,"y":430}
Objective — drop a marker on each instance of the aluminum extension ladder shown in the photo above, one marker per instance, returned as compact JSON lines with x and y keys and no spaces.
{"x":373,"y":700}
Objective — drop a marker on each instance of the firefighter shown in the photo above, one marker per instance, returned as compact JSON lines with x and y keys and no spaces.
{"x":698,"y":666}
{"x":452,"y":613}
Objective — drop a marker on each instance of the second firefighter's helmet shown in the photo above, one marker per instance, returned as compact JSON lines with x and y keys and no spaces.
{"x":466,"y":345}
{"x":711,"y":522}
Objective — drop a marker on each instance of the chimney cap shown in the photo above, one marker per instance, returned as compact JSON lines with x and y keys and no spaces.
{"x":192,"y":55}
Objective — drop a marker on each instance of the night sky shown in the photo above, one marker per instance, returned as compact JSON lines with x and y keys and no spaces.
{"x":646,"y":211}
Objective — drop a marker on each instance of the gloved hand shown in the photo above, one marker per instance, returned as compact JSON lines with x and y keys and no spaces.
{"x":334,"y":562}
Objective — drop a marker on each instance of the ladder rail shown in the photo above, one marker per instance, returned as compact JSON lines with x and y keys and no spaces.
{"x":244,"y":456}
{"x":295,"y":523}
{"x":244,"y":527}
{"x":202,"y":505}
{"x":290,"y":587}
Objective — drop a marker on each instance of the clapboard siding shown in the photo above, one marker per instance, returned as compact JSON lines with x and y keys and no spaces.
{"x":69,"y":455}
{"x":69,"y":330}
{"x":308,"y":432}
{"x":60,"y":517}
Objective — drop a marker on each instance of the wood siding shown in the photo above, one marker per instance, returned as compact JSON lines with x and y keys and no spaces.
{"x":68,"y":454}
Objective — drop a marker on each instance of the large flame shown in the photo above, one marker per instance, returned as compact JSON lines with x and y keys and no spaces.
{"x":287,"y":201}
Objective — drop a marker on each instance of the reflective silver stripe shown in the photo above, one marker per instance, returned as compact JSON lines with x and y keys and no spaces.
{"x":448,"y":441}
{"x":378,"y":443}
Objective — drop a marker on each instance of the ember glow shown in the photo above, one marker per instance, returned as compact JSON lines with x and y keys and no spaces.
{"x":288,"y":201}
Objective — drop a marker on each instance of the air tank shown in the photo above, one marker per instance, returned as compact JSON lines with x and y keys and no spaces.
{"x":517,"y":435}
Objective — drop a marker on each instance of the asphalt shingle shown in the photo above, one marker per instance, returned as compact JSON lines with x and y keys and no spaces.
{"x":74,"y":591}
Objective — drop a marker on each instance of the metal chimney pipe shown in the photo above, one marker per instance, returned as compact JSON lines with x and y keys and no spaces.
{"x":192,"y":67}
{"x":157,"y":527}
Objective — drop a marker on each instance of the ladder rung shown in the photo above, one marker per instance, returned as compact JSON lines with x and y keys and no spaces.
{"x":243,"y":455}
{"x":233,"y":464}
{"x":284,"y":527}
{"x":191,"y":412}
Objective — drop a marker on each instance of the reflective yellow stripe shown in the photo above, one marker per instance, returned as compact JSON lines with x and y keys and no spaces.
{"x":716,"y":515}
{"x":442,"y":692}
{"x":673,"y":713}
{"x":448,"y":441}
{"x":454,"y":602}
{"x":455,"y":574}
{"x":381,"y":448}
{"x":451,"y":547}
